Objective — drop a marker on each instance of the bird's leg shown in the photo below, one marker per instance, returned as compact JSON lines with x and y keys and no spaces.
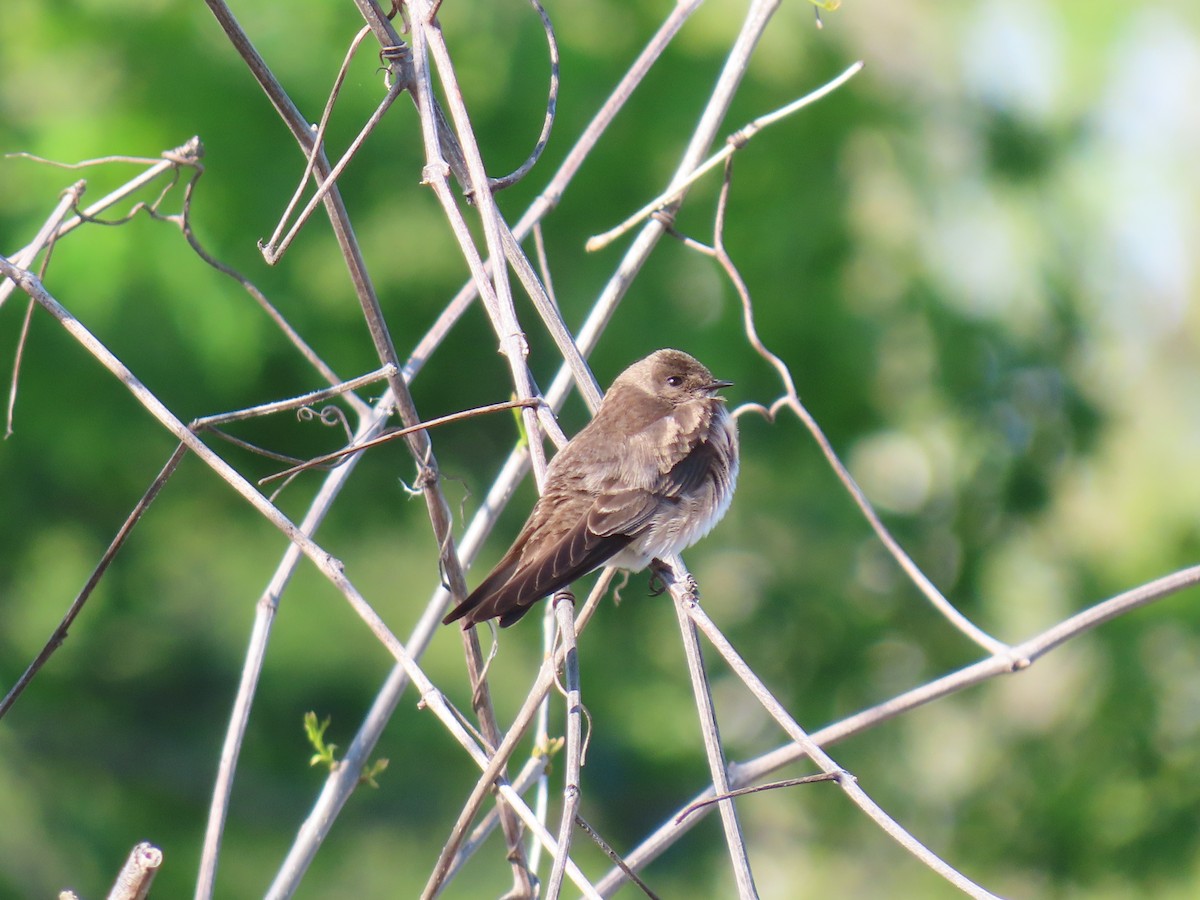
{"x":658,"y":569}
{"x":620,"y":587}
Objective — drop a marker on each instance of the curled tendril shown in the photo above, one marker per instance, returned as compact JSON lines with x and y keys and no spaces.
{"x":329,"y":416}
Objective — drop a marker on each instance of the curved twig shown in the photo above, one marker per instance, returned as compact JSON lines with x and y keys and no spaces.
{"x":506,"y":181}
{"x":271,"y":249}
{"x":791,"y":400}
{"x":733,"y":143}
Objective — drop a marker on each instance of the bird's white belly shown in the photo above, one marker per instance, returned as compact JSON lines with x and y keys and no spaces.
{"x":677,"y":529}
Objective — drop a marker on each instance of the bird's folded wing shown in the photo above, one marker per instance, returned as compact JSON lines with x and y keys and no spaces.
{"x":630,"y":512}
{"x":689,"y":474}
{"x":616,"y":518}
{"x":580,"y":551}
{"x":480,"y":605}
{"x":522,"y":579}
{"x":626,"y":513}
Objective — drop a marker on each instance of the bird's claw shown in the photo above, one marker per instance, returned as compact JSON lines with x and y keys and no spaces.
{"x":658,"y":584}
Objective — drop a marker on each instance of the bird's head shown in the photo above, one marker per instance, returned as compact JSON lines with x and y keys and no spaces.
{"x":672,"y":376}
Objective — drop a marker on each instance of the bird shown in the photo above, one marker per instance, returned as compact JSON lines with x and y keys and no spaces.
{"x":650,"y":475}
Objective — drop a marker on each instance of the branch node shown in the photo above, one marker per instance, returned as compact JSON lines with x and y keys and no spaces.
{"x":435,"y":173}
{"x":664,"y":216}
{"x":426,"y":478}
{"x":396,"y":53}
{"x":739,"y":138}
{"x":188,"y":153}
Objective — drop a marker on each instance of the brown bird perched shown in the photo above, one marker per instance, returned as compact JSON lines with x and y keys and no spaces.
{"x":651,"y":474}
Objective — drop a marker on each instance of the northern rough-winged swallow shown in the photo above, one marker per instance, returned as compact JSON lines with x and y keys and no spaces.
{"x":651,"y":474}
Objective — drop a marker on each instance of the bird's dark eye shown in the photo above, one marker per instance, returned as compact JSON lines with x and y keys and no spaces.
{"x":674,"y":380}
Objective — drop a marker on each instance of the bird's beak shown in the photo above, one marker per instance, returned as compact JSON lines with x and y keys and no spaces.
{"x":714,"y":386}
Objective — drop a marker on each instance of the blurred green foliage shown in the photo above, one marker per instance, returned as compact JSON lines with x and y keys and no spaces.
{"x":979,"y":260}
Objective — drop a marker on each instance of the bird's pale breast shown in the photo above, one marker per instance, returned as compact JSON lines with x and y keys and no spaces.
{"x":684,"y":517}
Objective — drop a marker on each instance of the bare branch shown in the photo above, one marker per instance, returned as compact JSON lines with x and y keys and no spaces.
{"x":60,"y":633}
{"x":391,"y":435}
{"x":791,"y":400}
{"x":689,"y":603}
{"x":271,"y":250}
{"x":674,"y":577}
{"x":137,"y":875}
{"x":499,"y":184}
{"x":45,"y":237}
{"x":742,"y":792}
{"x":564,"y":608}
{"x":733,"y":143}
{"x":188,"y":152}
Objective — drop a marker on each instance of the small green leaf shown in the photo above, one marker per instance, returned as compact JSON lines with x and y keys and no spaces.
{"x":550,"y":748}
{"x":316,"y":736}
{"x":369,"y":772}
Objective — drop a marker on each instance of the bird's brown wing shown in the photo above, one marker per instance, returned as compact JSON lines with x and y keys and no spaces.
{"x":578,"y":553}
{"x":470,"y":607}
{"x":510,"y":590}
{"x":614,"y":519}
{"x":631,"y":511}
{"x":521,"y":579}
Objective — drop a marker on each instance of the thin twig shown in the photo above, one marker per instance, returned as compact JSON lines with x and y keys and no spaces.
{"x":690,"y":606}
{"x":506,"y":181}
{"x":270,"y":249}
{"x":184,"y":222}
{"x":1015,"y":659}
{"x":564,"y":608}
{"x":45,"y":237}
{"x":86,"y":163}
{"x":299,"y":402}
{"x":172,"y":159}
{"x":696,"y":805}
{"x":614,"y":856}
{"x":542,"y":741}
{"x":60,"y":633}
{"x":713,"y":748}
{"x":185,"y":156}
{"x":15,"y":380}
{"x":733,"y":143}
{"x":392,"y":434}
{"x":791,"y":399}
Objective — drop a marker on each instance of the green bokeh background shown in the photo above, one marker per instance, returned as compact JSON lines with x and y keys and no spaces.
{"x":979,"y":259}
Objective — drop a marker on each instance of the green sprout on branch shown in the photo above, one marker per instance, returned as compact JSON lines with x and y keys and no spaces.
{"x":324,"y":755}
